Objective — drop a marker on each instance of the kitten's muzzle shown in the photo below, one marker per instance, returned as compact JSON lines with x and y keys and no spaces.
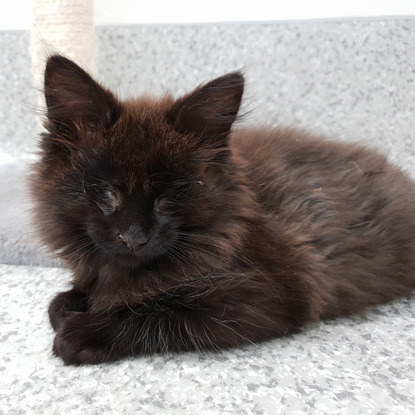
{"x":134,"y":237}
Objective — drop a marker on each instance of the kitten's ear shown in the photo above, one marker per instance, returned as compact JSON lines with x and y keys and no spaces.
{"x":73,"y":97}
{"x":210,"y":110}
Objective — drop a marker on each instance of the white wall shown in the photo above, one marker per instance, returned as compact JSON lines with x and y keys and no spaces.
{"x":16,"y":14}
{"x":150,"y":11}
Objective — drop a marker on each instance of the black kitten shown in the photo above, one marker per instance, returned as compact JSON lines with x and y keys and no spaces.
{"x":184,"y":235}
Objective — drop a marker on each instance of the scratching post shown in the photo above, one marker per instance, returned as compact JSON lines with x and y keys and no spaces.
{"x":62,"y":26}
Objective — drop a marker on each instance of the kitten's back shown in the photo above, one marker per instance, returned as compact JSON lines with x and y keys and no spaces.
{"x":348,"y":210}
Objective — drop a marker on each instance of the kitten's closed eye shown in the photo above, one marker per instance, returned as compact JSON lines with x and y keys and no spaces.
{"x":161,"y":205}
{"x":106,"y":198}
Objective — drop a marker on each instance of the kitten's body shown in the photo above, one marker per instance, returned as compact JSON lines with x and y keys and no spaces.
{"x":184,"y":236}
{"x":346,"y":212}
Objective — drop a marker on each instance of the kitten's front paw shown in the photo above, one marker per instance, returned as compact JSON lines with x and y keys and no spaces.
{"x":64,"y":304}
{"x":80,"y":340}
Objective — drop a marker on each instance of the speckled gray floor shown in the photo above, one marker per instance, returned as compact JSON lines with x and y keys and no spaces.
{"x":351,"y":366}
{"x":351,"y":80}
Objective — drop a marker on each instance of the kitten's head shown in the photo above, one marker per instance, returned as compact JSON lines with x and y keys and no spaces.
{"x":135,"y":181}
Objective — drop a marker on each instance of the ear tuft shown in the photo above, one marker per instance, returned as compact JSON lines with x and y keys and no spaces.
{"x":210,"y":110}
{"x":73,"y":97}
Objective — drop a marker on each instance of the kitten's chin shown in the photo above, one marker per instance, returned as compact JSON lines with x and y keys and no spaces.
{"x":135,"y":260}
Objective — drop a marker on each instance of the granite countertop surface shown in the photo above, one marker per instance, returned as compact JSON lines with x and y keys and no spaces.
{"x":361,"y":365}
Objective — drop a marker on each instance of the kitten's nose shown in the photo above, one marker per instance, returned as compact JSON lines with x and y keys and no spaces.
{"x":134,"y":237}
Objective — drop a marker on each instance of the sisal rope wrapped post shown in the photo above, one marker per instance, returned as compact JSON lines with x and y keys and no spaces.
{"x":66,"y":27}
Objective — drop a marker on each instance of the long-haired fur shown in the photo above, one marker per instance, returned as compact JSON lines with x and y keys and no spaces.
{"x":183,"y":233}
